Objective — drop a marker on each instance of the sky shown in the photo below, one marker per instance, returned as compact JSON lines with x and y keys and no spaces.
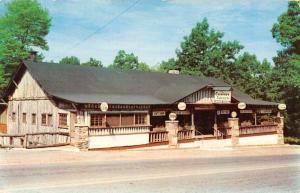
{"x":153,"y":29}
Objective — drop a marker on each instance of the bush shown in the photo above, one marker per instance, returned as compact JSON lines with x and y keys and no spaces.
{"x":292,"y":140}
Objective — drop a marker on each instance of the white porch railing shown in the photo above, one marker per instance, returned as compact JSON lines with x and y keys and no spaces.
{"x":256,"y":129}
{"x":158,"y":136}
{"x":118,"y":130}
{"x":185,"y":134}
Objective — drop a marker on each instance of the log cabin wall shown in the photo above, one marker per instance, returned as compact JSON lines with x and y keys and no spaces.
{"x":29,"y":99}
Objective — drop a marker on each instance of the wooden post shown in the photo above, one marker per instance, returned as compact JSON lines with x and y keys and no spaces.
{"x":193,"y":122}
{"x":255,"y":119}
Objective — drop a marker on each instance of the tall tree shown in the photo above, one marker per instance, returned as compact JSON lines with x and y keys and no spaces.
{"x":93,"y":62}
{"x":286,"y":31}
{"x":23,"y":27}
{"x":126,"y":61}
{"x":165,"y":66}
{"x":203,"y":52}
{"x":3,"y":82}
{"x":70,"y":60}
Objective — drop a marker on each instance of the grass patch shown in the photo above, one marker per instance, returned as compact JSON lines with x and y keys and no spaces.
{"x":292,"y":140}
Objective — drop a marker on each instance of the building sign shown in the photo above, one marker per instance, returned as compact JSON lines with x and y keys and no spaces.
{"x":97,"y":106}
{"x":264,"y":111}
{"x":158,"y":113}
{"x":223,"y":112}
{"x":246,"y":111}
{"x":223,"y":96}
{"x":181,"y":106}
{"x":181,"y":112}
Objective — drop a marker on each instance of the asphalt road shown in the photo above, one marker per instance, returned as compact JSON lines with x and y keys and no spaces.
{"x":255,"y":174}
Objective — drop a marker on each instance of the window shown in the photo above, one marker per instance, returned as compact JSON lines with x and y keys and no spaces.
{"x":140,"y":119}
{"x":113,"y":120}
{"x":97,"y":120}
{"x":50,"y":120}
{"x":33,"y":118}
{"x":24,"y":118}
{"x":127,"y":119}
{"x":62,"y":119}
{"x":13,"y":117}
{"x":44,"y":119}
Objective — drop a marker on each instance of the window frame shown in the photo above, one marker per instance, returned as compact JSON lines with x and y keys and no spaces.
{"x":24,"y":118}
{"x":63,"y":123}
{"x":13,"y":116}
{"x":138,"y":117}
{"x":93,"y":120}
{"x":33,"y":119}
{"x":49,"y":123}
{"x":44,"y":118}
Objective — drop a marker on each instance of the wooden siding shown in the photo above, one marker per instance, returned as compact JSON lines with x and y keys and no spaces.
{"x":3,"y":117}
{"x":203,"y":96}
{"x":29,"y":98}
{"x":28,"y":88}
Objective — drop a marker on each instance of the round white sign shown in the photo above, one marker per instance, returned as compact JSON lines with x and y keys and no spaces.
{"x":104,"y":106}
{"x":181,"y":106}
{"x":242,"y":105}
{"x":172,"y":116}
{"x":233,"y":114}
{"x":282,"y":106}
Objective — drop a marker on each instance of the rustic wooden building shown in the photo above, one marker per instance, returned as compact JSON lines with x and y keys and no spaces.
{"x":50,"y":100}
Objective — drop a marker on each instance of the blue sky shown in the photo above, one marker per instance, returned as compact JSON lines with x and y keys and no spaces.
{"x":153,"y":29}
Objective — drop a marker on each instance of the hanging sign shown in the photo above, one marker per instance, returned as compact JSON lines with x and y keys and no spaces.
{"x":222,"y":96}
{"x":104,"y":106}
{"x":233,"y":114}
{"x":241,"y":105}
{"x":181,"y":112}
{"x":223,"y":112}
{"x":158,"y":113}
{"x":282,"y":106}
{"x":172,"y":116}
{"x":181,"y":106}
{"x":265,"y":111}
{"x":246,"y":111}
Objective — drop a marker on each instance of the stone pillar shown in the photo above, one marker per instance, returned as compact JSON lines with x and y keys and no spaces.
{"x":235,"y":130}
{"x":280,"y":126}
{"x":172,"y":128}
{"x":81,"y":137}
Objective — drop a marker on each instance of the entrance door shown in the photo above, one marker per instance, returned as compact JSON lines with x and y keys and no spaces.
{"x":204,"y":122}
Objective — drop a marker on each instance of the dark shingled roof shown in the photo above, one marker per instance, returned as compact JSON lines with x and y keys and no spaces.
{"x":81,"y":84}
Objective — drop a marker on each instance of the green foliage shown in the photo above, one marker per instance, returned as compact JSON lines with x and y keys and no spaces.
{"x":292,"y":140}
{"x":203,"y":52}
{"x":70,"y":60}
{"x":126,"y":61}
{"x":287,"y":65}
{"x":287,"y":30}
{"x":165,"y":66}
{"x":23,"y":27}
{"x":93,"y":62}
{"x":3,"y":81}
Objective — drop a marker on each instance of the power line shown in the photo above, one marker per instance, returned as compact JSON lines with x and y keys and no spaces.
{"x":105,"y":25}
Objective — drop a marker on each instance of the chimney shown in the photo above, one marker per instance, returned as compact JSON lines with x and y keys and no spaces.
{"x":173,"y":72}
{"x":32,"y":55}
